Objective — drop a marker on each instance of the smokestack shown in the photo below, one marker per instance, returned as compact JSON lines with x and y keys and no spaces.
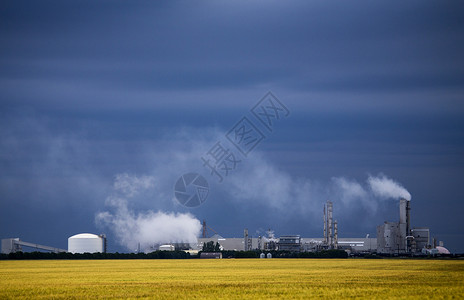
{"x":335,"y":235}
{"x":245,"y":238}
{"x":328,"y":224}
{"x":403,"y":210}
{"x":408,"y":218}
{"x":326,"y":241}
{"x":104,"y":242}
{"x":203,"y":234}
{"x":405,"y":215}
{"x":405,"y":222}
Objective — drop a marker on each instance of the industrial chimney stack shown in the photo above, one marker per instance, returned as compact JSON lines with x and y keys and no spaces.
{"x":246,"y":240}
{"x":328,"y":225}
{"x":408,"y":218}
{"x":335,"y":235}
{"x":405,"y":216}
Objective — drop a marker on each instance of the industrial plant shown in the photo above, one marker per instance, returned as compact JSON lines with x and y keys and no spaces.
{"x":79,"y":243}
{"x":393,"y":238}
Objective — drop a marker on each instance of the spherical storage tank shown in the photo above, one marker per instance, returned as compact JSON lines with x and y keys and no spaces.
{"x":86,"y":242}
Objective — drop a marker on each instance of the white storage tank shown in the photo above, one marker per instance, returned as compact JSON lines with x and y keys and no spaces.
{"x":87,"y":243}
{"x":166,"y":248}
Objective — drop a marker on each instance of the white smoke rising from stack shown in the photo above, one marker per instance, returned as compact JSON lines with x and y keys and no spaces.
{"x":385,"y":188}
{"x":378,"y":188}
{"x":270,"y":237}
{"x":148,"y":228}
{"x":257,"y":183}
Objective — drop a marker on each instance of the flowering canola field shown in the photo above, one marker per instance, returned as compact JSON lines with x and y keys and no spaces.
{"x":232,"y":278}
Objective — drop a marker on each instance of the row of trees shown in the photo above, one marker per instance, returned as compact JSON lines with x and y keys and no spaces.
{"x":286,"y":254}
{"x":211,"y":247}
{"x":208,"y":247}
{"x":67,"y":255}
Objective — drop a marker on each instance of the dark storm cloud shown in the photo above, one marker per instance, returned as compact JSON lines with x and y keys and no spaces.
{"x":94,"y":89}
{"x":221,"y":45}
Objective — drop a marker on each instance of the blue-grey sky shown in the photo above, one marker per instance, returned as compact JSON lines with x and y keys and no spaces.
{"x":95,"y":91}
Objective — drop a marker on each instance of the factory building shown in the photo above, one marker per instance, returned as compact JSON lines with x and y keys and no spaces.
{"x":292,"y":243}
{"x":352,"y":245}
{"x":389,"y":239}
{"x":289,"y":243}
{"x":295,"y":243}
{"x":237,"y":244}
{"x":12,"y":245}
{"x":421,"y":237}
{"x":398,"y":237}
{"x":393,"y":238}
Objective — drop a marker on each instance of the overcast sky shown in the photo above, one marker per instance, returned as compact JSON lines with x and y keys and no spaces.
{"x":94,"y":92}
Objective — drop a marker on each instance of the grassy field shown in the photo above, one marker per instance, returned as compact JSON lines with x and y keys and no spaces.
{"x":232,"y":278}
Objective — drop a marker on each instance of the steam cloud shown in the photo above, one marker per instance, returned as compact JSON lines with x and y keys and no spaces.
{"x":255,"y":185}
{"x":377,"y":188}
{"x":387,"y":188}
{"x":263,"y":184}
{"x":150,"y":228}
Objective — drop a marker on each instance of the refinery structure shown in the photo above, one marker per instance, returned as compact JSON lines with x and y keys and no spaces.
{"x":393,"y":238}
{"x":296,"y":243}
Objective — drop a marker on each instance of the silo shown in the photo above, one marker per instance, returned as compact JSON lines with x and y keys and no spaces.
{"x":86,"y":243}
{"x":167,"y":247}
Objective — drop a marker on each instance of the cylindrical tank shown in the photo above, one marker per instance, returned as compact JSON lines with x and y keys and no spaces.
{"x":166,"y":248}
{"x":86,"y":243}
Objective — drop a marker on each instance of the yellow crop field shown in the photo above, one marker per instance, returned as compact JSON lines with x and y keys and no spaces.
{"x":232,"y":278}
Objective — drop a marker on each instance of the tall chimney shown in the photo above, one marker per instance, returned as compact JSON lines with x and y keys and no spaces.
{"x":326,"y":240}
{"x":330,"y":223}
{"x":408,"y":218}
{"x":335,"y":235}
{"x":203,"y":234}
{"x":403,"y":205}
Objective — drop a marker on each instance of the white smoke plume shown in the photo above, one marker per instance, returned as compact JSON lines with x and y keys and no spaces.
{"x":262,"y":183}
{"x":270,"y":236}
{"x":147,"y":229}
{"x":377,"y":189}
{"x":351,"y":192}
{"x":256,"y":185}
{"x":385,"y":188}
{"x":131,"y":185}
